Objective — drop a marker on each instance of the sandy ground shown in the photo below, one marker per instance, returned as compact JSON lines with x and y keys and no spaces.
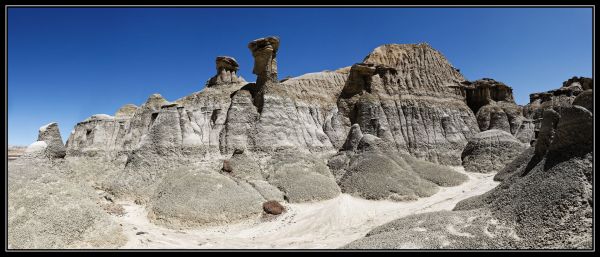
{"x":327,"y":224}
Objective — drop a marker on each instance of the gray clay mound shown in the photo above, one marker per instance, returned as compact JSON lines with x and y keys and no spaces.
{"x":302,"y":177}
{"x":375,"y":176}
{"x":544,"y":203}
{"x":50,"y":211}
{"x":190,"y":197}
{"x":490,"y":151}
{"x":372,"y":171}
{"x":438,"y":174}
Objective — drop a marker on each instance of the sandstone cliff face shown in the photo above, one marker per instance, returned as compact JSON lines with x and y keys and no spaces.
{"x":494,"y":106}
{"x":404,"y":94}
{"x":379,"y":129}
{"x":545,"y":200}
{"x":557,"y":99}
{"x":407,"y":96}
{"x":98,"y":135}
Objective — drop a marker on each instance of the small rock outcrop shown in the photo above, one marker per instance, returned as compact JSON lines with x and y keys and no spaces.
{"x":482,"y":92}
{"x":585,"y":99}
{"x":227,"y":68}
{"x":494,"y":106}
{"x":49,"y":143}
{"x":490,"y":151}
{"x":302,"y":177}
{"x":557,"y":99}
{"x":264,"y":51}
{"x":126,"y":111}
{"x":582,"y":82}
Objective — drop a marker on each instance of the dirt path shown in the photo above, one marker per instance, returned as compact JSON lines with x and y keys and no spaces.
{"x":327,"y":224}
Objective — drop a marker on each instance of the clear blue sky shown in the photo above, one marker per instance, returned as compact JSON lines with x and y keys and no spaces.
{"x":67,"y":64}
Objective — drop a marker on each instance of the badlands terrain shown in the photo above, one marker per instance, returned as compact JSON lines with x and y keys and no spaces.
{"x":397,"y":151}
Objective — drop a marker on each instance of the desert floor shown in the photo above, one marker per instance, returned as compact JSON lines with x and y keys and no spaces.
{"x":326,"y":224}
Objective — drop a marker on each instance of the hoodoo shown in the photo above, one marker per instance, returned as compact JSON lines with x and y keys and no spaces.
{"x":386,"y":128}
{"x":227,"y":68}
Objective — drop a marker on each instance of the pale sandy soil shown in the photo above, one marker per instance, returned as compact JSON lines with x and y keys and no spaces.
{"x":327,"y":224}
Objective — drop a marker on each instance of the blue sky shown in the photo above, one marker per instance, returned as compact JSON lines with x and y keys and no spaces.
{"x":65,"y":64}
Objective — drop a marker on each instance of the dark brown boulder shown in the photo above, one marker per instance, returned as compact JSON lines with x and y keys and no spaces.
{"x":273,"y":207}
{"x":226,"y":166}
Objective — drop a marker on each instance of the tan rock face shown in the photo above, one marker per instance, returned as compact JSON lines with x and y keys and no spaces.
{"x":494,"y":106}
{"x":359,"y":80}
{"x":126,"y":111}
{"x":227,"y":68}
{"x":227,"y":63}
{"x":410,"y":102}
{"x":485,"y":91}
{"x":264,"y":51}
{"x":406,"y":94}
{"x":51,"y":136}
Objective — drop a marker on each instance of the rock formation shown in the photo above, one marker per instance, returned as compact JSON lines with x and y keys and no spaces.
{"x":490,"y":151}
{"x":303,"y":118}
{"x":544,"y":200}
{"x":49,"y":205}
{"x":126,"y":111}
{"x":264,"y":51}
{"x":556,"y":99}
{"x":412,"y":104}
{"x":379,"y":129}
{"x":227,"y":68}
{"x":371,"y":168}
{"x":99,"y":134}
{"x":579,"y":82}
{"x":494,"y":106}
{"x":273,"y":207}
{"x":192,"y":197}
{"x":388,"y":96}
{"x":49,"y":143}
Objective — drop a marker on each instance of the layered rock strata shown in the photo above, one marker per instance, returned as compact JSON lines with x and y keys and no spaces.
{"x":545,"y":200}
{"x":389,"y":96}
{"x":49,"y":143}
{"x":494,"y":106}
{"x":490,"y":151}
{"x":556,"y":99}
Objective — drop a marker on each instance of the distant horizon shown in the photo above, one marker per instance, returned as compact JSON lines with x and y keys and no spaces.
{"x":66,"y":64}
